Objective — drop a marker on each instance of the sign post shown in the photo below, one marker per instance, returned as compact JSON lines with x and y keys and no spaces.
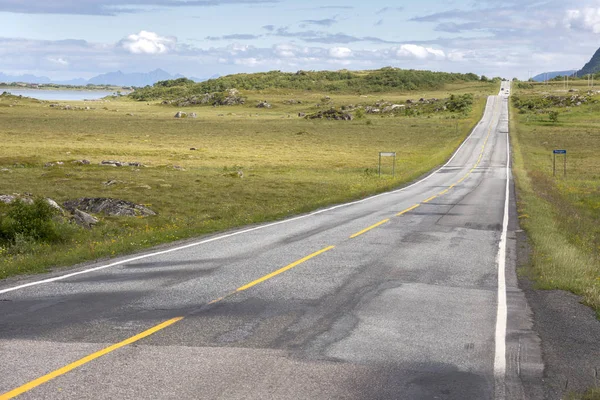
{"x":387,"y":154}
{"x":564,"y":153}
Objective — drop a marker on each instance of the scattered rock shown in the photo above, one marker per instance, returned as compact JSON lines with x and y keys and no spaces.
{"x":409,"y":101}
{"x":54,"y":105}
{"x":82,"y":162}
{"x":301,"y":115}
{"x":263,"y":104}
{"x":84,"y":219}
{"x":292,"y":101}
{"x":5,"y":170}
{"x":144,"y":187}
{"x":7,"y":198}
{"x":180,"y":114}
{"x":193,"y":149}
{"x":55,"y":205}
{"x":130,"y":114}
{"x":111,"y":182}
{"x":178,"y":168}
{"x":110,"y":207}
{"x":193,"y":115}
{"x":235,"y":174}
{"x":67,"y":107}
{"x":114,"y":163}
{"x":393,"y":107}
{"x":331,"y":114}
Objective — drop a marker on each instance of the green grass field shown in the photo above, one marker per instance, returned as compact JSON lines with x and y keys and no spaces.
{"x":561,"y":214}
{"x":290,"y":165}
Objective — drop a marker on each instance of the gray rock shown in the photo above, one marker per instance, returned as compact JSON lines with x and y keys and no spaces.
{"x":82,"y":162}
{"x":110,"y":207}
{"x":263,"y":104}
{"x":7,"y":198}
{"x":180,"y":114}
{"x":193,"y":115}
{"x":55,"y":205}
{"x":302,"y":115}
{"x":84,"y":219}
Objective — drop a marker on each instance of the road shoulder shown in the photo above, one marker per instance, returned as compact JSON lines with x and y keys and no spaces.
{"x":569,"y":333}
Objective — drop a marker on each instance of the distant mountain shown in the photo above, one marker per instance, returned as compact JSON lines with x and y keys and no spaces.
{"x":592,"y":66}
{"x":24,"y":78}
{"x":550,"y":75}
{"x":118,"y":78}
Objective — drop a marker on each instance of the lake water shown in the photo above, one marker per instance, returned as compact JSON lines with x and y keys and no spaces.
{"x":61,"y":95}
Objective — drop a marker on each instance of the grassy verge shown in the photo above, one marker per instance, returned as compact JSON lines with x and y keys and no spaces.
{"x":560,"y":214}
{"x":290,"y":165}
{"x":592,"y":394}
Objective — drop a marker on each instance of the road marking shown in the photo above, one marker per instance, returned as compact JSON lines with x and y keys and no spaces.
{"x":196,"y":244}
{"x":61,"y":371}
{"x":443,"y":192}
{"x":282,"y":270}
{"x":369,"y":228}
{"x":429,"y":199}
{"x":408,"y":210}
{"x":502,"y":313}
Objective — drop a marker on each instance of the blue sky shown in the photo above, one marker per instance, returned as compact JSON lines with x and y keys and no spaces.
{"x":66,"y":39}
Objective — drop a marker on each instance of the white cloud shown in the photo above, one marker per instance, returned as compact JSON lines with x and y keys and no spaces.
{"x":419,"y":52}
{"x":587,"y":19}
{"x":58,"y":60}
{"x":148,"y":43}
{"x":340,"y":52}
{"x":285,"y":50}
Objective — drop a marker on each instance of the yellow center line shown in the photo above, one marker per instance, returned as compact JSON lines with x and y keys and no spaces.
{"x":357,"y":234}
{"x":282,"y":270}
{"x":443,"y":192}
{"x":429,"y":199}
{"x":61,"y":371}
{"x":407,"y":210}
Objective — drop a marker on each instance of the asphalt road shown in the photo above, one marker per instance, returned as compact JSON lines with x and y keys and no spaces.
{"x":424,"y":305}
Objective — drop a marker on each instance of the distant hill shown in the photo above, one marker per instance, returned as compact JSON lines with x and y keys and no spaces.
{"x":592,"y":67}
{"x":24,"y":78}
{"x":551,"y":75}
{"x":345,"y":81}
{"x":118,"y":78}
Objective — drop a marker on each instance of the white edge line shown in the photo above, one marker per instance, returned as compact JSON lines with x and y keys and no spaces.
{"x":87,"y":271}
{"x":502,"y":312}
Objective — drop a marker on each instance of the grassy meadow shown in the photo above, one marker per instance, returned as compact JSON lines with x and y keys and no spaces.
{"x":249,"y":165}
{"x":560,"y":214}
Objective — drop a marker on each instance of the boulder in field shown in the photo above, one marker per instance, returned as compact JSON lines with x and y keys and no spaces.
{"x":84,"y":219}
{"x":107,"y":206}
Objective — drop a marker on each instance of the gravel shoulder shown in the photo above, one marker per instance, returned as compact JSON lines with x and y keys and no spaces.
{"x":570,"y":334}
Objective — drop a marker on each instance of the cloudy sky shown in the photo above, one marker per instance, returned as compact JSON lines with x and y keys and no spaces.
{"x":66,"y":39}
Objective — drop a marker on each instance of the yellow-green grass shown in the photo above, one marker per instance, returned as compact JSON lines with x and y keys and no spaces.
{"x":592,"y":394}
{"x":290,"y":165}
{"x":561,"y":214}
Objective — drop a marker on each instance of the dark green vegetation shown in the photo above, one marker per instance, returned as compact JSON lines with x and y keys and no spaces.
{"x":592,"y":67}
{"x":561,"y":214}
{"x":230,"y":166}
{"x":25,"y":226}
{"x":383,"y":80}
